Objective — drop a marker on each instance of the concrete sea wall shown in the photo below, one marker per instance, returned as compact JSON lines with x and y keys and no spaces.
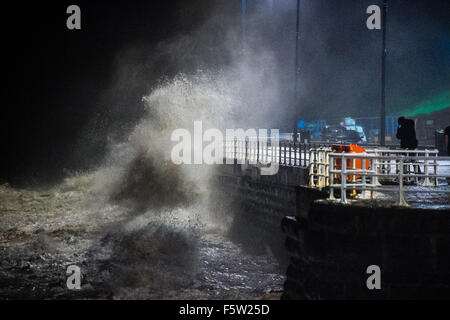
{"x":258,"y":203}
{"x":327,"y":247}
{"x":331,"y":249}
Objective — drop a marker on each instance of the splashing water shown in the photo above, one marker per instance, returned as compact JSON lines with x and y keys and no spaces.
{"x":139,"y":226}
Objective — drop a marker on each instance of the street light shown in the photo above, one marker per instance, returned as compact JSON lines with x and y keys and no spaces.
{"x":383,"y":78}
{"x":297,"y":71}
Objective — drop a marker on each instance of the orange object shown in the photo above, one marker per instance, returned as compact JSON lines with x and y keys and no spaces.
{"x":351,"y":148}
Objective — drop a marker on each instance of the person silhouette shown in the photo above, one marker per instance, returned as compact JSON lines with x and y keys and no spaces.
{"x":406,"y":133}
{"x":447,"y":140}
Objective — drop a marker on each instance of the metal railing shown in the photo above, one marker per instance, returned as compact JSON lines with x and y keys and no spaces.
{"x":384,"y":161}
{"x":319,"y":167}
{"x":429,"y":158}
{"x":291,"y":153}
{"x":267,"y":150}
{"x":365,"y":177}
{"x":339,"y":170}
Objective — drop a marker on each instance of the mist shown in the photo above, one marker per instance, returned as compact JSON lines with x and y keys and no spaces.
{"x":75,"y":92}
{"x":252,"y":73}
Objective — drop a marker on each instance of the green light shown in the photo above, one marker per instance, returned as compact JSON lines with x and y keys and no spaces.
{"x":438,"y":103}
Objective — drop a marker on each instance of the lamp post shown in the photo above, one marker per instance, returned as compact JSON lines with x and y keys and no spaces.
{"x":297,"y":70}
{"x":383,"y":77}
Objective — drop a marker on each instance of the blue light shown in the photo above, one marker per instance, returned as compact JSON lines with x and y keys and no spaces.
{"x":301,"y":124}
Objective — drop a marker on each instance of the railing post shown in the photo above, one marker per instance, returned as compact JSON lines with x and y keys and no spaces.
{"x":373,"y":179}
{"x":225,"y":151}
{"x":331,"y":179}
{"x":319,"y":167}
{"x":246,"y":149}
{"x":416,"y":168}
{"x":343,"y":180}
{"x":295,"y":154}
{"x":426,"y":181}
{"x":322,"y":169}
{"x":290,"y":153}
{"x":436,"y":179}
{"x":235,"y":151}
{"x":397,"y":170}
{"x":279,"y":153}
{"x":353,"y":175}
{"x":315,"y":155}
{"x":266,"y":153}
{"x":271,"y":152}
{"x":402,"y":201}
{"x":311,"y":170}
{"x":254,"y":150}
{"x":257,"y":149}
{"x":363,"y":177}
{"x":251,"y":151}
{"x":375,"y":168}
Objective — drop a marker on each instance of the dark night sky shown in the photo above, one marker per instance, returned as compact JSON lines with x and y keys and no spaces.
{"x":55,"y":78}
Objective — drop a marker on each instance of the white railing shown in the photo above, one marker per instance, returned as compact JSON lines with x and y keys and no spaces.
{"x":266,"y":150}
{"x":429,"y":158}
{"x":381,"y":165}
{"x":319,"y":166}
{"x":386,"y":161}
{"x":365,"y":178}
